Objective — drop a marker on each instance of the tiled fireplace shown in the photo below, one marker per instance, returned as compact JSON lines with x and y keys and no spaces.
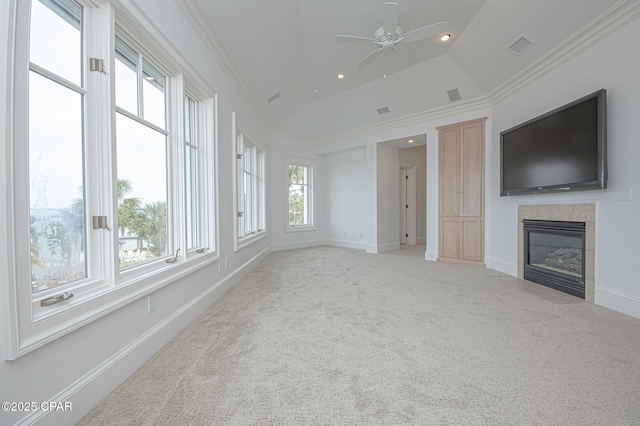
{"x":577,"y":213}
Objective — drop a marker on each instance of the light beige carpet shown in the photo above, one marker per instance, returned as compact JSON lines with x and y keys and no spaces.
{"x":336,"y":336}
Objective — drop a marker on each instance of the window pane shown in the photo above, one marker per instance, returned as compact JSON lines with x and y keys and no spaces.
{"x":248,"y":203}
{"x":126,"y":85}
{"x":247,"y":159}
{"x":192,"y":198}
{"x":57,"y":205}
{"x":153,"y":88}
{"x":142,"y":192}
{"x":190,"y":121}
{"x":248,"y":190}
{"x":55,"y":24}
{"x":299,"y":200}
{"x":296,"y":204}
{"x":191,"y":162}
{"x":260,"y":189}
{"x":296,"y":174}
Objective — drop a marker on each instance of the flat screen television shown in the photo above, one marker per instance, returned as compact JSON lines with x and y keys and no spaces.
{"x":562,"y":150}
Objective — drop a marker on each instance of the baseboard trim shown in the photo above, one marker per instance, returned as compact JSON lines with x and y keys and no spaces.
{"x":618,"y":301}
{"x":502,"y":266}
{"x":421,"y":240}
{"x":137,"y":353}
{"x":296,"y":245}
{"x":383,"y":248}
{"x":358,"y":245}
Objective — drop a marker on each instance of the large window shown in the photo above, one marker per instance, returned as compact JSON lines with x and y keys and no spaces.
{"x":57,"y":211}
{"x":300,"y":195}
{"x":117,"y":204}
{"x":141,"y":134}
{"x":250,"y":190}
{"x":191,"y":173}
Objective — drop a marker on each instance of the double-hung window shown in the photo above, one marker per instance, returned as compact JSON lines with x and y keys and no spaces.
{"x":191,"y":154}
{"x":56,"y":151}
{"x":199,"y":189}
{"x":300,"y":195}
{"x":141,"y":145}
{"x":118,"y":166}
{"x":250,"y":190}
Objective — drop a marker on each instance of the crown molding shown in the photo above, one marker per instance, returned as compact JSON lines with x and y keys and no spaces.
{"x":411,"y":119}
{"x":293,"y":136}
{"x":198,"y":16}
{"x":610,"y":21}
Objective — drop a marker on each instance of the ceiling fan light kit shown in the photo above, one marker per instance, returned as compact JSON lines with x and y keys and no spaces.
{"x":390,"y":34}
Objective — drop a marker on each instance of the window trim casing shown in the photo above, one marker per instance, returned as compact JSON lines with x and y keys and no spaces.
{"x":20,"y":333}
{"x":208,"y":183}
{"x":261,"y":165}
{"x":311,"y":165}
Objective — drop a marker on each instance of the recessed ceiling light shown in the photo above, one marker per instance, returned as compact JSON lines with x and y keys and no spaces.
{"x":340,"y":76}
{"x":445,"y":37}
{"x":316,"y":90}
{"x":410,"y":141}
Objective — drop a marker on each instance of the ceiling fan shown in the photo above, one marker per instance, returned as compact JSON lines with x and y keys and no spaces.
{"x":390,"y":34}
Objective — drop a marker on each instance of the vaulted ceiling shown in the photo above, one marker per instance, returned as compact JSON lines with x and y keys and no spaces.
{"x":287,"y":49}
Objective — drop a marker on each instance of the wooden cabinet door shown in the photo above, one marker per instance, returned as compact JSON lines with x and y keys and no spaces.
{"x":471,"y":241}
{"x":471,"y":170}
{"x":449,"y":172}
{"x":449,"y":237}
{"x":461,"y":192}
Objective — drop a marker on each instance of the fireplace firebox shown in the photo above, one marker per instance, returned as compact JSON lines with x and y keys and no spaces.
{"x":554,"y":255}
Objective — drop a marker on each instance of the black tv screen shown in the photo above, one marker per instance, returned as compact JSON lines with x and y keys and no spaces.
{"x":562,"y":150}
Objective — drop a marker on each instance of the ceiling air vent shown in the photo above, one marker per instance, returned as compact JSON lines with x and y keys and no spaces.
{"x":454,"y":95}
{"x":520,"y":45}
{"x":383,"y":110}
{"x":273,"y":98}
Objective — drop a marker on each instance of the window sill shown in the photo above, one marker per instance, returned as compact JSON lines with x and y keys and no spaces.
{"x":247,"y":241}
{"x":301,"y":228}
{"x":85,"y":307}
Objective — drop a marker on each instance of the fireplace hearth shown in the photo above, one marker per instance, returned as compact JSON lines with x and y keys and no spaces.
{"x":554,"y":255}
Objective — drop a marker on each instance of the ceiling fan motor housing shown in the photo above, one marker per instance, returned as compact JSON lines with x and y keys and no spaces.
{"x":382,"y":37}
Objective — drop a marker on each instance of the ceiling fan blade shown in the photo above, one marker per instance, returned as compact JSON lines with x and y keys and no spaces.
{"x":355,"y":39}
{"x":390,"y":17}
{"x":370,"y":57}
{"x":425,"y":32}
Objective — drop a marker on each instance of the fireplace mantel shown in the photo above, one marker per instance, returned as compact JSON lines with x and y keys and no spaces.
{"x":582,"y":212}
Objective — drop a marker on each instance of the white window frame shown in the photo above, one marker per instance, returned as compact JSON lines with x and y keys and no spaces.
{"x":174,"y":154}
{"x":310,"y":196}
{"x":258,"y":173}
{"x":206,"y":191}
{"x":26,"y":325}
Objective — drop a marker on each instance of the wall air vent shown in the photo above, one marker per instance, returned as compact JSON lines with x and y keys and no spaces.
{"x":383,"y":110}
{"x":520,"y":45}
{"x":273,"y":98}
{"x":454,"y":95}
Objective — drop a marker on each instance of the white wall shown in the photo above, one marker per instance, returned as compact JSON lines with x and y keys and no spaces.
{"x":613,"y":64}
{"x":345,"y":202}
{"x":426,"y":125}
{"x":417,"y":157}
{"x":388,"y":182}
{"x":85,"y":365}
{"x":283,"y":149}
